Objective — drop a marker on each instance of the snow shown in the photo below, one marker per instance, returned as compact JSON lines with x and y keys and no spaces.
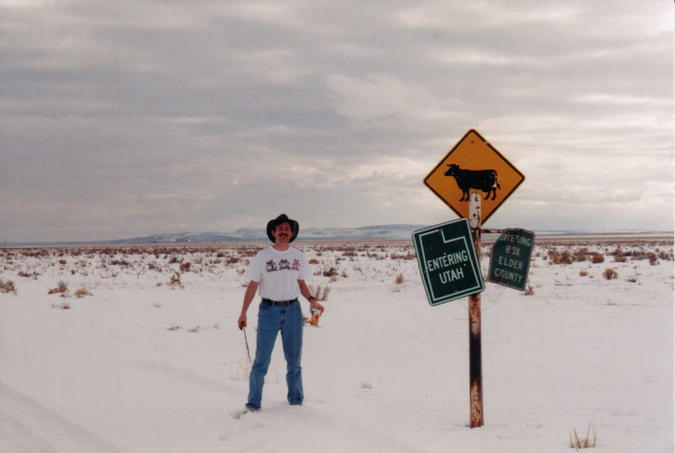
{"x":142,"y":366}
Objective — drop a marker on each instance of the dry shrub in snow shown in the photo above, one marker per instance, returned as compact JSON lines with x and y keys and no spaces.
{"x":34,"y":275}
{"x":249,"y":252}
{"x":412,"y":256}
{"x":7,"y":287}
{"x":664,"y":255}
{"x":61,"y":288}
{"x":63,"y":305}
{"x":175,"y":281}
{"x":185,"y":267}
{"x":81,"y":292}
{"x":598,"y":258}
{"x":610,"y":274}
{"x":331,"y":272}
{"x":399,"y":279}
{"x":585,"y":442}
{"x":319,"y":292}
{"x":560,"y":258}
{"x":616,"y":252}
{"x":581,"y":254}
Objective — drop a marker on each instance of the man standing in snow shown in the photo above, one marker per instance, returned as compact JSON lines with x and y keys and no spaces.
{"x":280,"y":271}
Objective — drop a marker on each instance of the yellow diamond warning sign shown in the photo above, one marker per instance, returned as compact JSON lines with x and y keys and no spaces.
{"x":474,"y":165}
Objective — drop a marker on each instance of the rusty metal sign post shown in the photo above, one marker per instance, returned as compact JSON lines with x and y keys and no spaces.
{"x":475,"y":354}
{"x":474,"y":179}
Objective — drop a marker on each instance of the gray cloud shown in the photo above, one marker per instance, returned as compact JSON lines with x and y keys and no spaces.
{"x":128,"y":118}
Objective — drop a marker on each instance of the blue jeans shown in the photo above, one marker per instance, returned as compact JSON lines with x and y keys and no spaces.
{"x":272,"y":319}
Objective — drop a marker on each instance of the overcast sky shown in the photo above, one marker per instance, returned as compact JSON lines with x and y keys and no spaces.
{"x":126,"y":118}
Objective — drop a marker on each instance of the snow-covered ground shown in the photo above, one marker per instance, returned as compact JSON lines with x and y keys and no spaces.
{"x":143,"y":365}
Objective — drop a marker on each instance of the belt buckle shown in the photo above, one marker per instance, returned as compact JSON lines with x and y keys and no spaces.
{"x":280,"y":303}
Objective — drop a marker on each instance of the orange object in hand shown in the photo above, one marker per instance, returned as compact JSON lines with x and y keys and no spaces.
{"x":315,"y":317}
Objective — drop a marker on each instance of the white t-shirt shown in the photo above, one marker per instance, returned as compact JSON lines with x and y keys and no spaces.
{"x":278,"y":272}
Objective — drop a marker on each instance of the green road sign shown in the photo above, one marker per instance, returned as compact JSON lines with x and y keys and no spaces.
{"x":447,"y":261}
{"x":510,"y":259}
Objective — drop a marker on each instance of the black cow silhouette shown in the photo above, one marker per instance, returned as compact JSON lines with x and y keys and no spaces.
{"x":485,"y":180}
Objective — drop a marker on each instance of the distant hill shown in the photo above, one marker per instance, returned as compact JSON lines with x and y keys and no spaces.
{"x":259,"y":234}
{"x":251,"y":235}
{"x":399,"y":231}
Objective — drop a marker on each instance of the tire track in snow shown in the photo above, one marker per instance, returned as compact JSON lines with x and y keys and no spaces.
{"x":34,"y":427}
{"x":187,"y":375}
{"x":14,"y":437}
{"x":280,"y":428}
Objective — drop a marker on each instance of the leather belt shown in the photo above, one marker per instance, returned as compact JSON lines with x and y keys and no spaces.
{"x":280,"y":303}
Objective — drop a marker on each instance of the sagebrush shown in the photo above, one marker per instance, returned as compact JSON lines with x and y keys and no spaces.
{"x":584,"y":442}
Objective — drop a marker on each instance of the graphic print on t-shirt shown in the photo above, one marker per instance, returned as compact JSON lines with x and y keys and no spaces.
{"x":271,"y":266}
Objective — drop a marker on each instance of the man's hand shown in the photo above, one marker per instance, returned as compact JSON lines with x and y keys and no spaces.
{"x":314,"y":305}
{"x":248,"y":297}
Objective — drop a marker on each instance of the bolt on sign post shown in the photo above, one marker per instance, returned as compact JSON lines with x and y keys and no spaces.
{"x":474,"y":180}
{"x":510,"y":258}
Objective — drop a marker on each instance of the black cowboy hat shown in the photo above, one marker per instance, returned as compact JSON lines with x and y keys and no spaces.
{"x":272,"y":224}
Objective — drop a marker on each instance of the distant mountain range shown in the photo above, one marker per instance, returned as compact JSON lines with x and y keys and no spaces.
{"x":249,"y":235}
{"x":259,"y":234}
{"x":400,"y":231}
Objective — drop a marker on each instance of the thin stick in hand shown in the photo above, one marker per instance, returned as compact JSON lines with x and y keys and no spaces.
{"x":248,"y":351}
